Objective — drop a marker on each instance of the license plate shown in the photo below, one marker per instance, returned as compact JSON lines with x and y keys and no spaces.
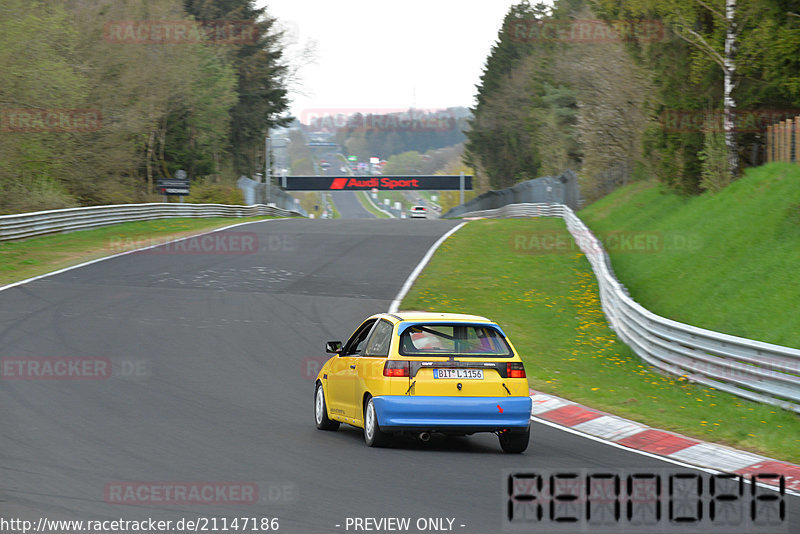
{"x":460,"y":374}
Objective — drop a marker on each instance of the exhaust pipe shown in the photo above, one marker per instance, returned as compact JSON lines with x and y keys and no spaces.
{"x":424,"y":436}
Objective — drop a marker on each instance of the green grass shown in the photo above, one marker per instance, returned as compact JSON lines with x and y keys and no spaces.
{"x":727,"y":262}
{"x":395,"y":196}
{"x":31,"y":257}
{"x":549,"y":306}
{"x":362,"y":197}
{"x":309,"y":200}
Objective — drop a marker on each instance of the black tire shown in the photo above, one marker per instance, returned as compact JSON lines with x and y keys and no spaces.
{"x":321,"y":411}
{"x":373,"y":435}
{"x":515,"y":441}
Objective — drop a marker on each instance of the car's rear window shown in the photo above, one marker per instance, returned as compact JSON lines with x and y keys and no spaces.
{"x":453,"y":340}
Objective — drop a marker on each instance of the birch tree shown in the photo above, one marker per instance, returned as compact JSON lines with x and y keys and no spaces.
{"x":729,"y":69}
{"x":726,"y":61}
{"x":709,"y":28}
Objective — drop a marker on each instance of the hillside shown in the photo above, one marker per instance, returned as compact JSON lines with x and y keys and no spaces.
{"x":728,"y":262}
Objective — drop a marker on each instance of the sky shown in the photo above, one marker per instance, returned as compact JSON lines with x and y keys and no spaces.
{"x":388,"y":55}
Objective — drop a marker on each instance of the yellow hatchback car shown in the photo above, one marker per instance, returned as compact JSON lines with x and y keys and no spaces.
{"x":422,"y":372}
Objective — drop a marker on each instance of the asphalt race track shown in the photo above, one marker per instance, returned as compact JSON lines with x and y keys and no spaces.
{"x":213,"y":356}
{"x":349,"y":206}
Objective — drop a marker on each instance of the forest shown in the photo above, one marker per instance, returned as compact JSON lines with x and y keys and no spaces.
{"x":622,"y":90}
{"x":100,"y":98}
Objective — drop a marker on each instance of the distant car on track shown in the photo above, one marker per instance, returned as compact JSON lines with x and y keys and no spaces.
{"x":418,"y":212}
{"x":420,"y":373}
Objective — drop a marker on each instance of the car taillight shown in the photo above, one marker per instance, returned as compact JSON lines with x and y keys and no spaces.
{"x":396,"y":368}
{"x":515,"y":370}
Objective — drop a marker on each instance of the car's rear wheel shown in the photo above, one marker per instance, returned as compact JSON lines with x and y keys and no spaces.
{"x":373,"y":435}
{"x":321,"y":411}
{"x":515,"y":441}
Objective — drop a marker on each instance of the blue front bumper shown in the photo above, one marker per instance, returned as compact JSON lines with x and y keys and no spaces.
{"x":452,"y":414}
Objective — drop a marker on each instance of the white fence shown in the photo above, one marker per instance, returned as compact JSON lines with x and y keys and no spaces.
{"x":47,"y":222}
{"x":751,"y":369}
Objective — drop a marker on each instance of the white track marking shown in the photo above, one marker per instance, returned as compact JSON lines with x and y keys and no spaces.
{"x":644,"y":453}
{"x":418,"y":269}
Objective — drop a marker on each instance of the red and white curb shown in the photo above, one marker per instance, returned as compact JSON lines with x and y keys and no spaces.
{"x":604,"y":427}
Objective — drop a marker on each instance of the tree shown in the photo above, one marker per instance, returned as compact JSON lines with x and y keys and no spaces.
{"x":715,"y":174}
{"x":497,"y":142}
{"x":40,"y":73}
{"x":137,"y":86}
{"x":729,"y":68}
{"x":711,"y":31}
{"x":386,"y":134}
{"x":611,"y":93}
{"x":261,"y":78}
{"x":406,"y":163}
{"x":195,"y":135}
{"x":726,"y":19}
{"x":159,"y":105}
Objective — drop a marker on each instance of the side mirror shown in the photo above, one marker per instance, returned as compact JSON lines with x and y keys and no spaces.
{"x":333,"y":347}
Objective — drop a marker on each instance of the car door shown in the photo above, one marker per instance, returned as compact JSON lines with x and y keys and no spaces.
{"x":342,"y":376}
{"x":369,"y":365}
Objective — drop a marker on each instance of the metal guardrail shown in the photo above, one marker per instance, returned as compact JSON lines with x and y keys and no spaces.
{"x":382,"y":209}
{"x":755,"y":370}
{"x":18,"y":226}
{"x":256,"y":193}
{"x":561,"y":189}
{"x":518,"y":210}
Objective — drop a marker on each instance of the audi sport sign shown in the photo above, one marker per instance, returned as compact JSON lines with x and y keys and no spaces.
{"x":381,"y":183}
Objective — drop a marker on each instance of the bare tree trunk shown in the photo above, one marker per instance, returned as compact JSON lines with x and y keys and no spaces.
{"x":149,"y":161}
{"x":162,"y":143}
{"x":729,"y":102}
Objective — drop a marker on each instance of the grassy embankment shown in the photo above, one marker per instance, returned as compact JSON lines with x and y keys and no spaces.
{"x":726,"y":262}
{"x":369,"y":206}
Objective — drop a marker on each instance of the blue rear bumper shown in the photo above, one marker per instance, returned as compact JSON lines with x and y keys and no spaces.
{"x":452,"y":414}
